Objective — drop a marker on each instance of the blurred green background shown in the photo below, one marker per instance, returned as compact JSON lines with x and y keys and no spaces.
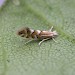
{"x":50,"y":58}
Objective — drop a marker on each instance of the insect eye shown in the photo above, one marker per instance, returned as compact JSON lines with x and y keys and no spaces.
{"x":20,"y":33}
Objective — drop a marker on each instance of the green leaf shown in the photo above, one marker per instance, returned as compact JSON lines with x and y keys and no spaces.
{"x":50,"y":58}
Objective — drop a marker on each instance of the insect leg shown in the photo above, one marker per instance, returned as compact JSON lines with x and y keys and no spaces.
{"x":54,"y":40}
{"x":30,"y":41}
{"x":43,"y":41}
{"x":51,"y":28}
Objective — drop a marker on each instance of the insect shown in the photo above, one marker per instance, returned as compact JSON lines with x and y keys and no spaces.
{"x":37,"y":34}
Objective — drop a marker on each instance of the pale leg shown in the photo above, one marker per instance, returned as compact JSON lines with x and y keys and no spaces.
{"x":43,"y":41}
{"x":54,"y":40}
{"x":51,"y":29}
{"x":30,"y":41}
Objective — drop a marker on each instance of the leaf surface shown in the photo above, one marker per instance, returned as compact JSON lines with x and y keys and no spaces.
{"x":50,"y":58}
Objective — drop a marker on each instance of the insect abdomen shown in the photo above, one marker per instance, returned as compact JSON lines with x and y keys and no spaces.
{"x":37,"y":34}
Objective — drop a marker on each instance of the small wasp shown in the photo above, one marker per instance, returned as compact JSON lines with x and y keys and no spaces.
{"x":37,"y":34}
